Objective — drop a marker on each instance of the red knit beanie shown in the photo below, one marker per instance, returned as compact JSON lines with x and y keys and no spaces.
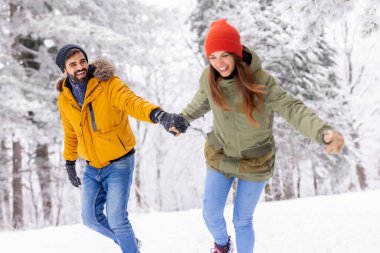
{"x":223,"y":37}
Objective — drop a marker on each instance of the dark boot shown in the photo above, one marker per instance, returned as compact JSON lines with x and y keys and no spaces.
{"x":229,"y":248}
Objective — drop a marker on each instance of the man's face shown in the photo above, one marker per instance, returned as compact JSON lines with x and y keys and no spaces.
{"x":76,"y":67}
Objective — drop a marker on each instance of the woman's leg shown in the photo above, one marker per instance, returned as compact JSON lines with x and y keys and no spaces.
{"x":216,"y":191}
{"x":247,"y":195}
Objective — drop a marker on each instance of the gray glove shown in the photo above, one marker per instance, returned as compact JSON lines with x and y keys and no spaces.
{"x":72,"y":174}
{"x":168,"y":120}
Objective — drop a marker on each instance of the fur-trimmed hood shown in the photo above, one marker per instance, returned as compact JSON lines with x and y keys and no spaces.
{"x":100,"y":69}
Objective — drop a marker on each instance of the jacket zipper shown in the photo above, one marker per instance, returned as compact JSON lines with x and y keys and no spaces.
{"x":92,"y":115}
{"x":121,"y":142}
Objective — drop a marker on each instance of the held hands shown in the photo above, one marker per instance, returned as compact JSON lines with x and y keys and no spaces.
{"x":180,"y":125}
{"x":72,"y":174}
{"x":334,"y":141}
{"x":173,"y":123}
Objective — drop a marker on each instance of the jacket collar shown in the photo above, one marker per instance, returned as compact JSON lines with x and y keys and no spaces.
{"x":66,"y":90}
{"x":93,"y":90}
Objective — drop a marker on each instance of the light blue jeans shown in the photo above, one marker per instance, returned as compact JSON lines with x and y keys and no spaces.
{"x":217,"y":187}
{"x":109,"y":187}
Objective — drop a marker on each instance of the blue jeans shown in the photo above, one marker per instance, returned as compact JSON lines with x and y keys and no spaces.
{"x":216,"y":191}
{"x":110,"y":187}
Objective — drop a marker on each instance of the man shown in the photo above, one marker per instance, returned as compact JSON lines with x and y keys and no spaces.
{"x":94,"y":112}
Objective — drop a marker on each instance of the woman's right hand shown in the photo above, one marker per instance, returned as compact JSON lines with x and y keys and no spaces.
{"x":334,"y":140}
{"x":180,"y":125}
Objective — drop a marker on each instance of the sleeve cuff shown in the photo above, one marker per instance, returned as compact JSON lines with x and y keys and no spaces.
{"x":68,"y":162}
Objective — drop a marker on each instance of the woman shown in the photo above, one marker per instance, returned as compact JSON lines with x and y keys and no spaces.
{"x":243,"y":98}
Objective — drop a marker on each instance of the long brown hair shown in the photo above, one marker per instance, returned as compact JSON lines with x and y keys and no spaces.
{"x":253,"y":94}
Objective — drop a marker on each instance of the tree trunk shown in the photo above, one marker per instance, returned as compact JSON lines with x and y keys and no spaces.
{"x":2,"y":182}
{"x":273,"y":187}
{"x":44,"y":177}
{"x":137,"y":176}
{"x":17,"y":219}
{"x":138,"y":181}
{"x":159,"y":177}
{"x":360,"y":170}
{"x":2,"y":218}
{"x":298,"y":182}
{"x":315,"y":181}
{"x":59,"y":177}
{"x":288,"y":182}
{"x":361,"y":176}
{"x":5,"y":207}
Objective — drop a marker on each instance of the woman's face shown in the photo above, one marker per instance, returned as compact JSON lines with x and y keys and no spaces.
{"x":223,"y":62}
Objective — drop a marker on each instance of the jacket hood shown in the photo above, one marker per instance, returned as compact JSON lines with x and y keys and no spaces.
{"x":252,"y":59}
{"x":100,"y":69}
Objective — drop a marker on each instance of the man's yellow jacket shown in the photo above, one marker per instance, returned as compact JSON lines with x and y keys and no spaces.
{"x":100,"y":131}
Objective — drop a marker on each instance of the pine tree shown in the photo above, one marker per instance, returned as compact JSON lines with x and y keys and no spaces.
{"x":316,"y":15}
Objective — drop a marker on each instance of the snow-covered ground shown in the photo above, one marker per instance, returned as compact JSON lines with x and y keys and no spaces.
{"x":347,"y":223}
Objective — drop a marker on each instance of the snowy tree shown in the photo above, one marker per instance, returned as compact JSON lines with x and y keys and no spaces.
{"x":316,"y":15}
{"x":354,"y":26}
{"x":170,"y":87}
{"x":360,"y":78}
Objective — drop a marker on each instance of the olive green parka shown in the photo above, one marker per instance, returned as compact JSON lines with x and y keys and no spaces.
{"x":235,"y":147}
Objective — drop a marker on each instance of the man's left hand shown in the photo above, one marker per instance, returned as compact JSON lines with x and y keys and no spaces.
{"x":173,"y":123}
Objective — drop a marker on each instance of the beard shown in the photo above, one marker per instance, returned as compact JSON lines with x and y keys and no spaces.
{"x":82,"y":80}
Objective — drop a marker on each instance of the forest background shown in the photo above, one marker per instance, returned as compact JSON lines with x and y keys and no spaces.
{"x":323,"y":52}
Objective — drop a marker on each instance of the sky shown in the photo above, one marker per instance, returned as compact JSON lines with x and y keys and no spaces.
{"x":170,"y":3}
{"x":346,"y":223}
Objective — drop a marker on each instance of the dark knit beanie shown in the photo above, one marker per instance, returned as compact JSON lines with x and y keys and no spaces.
{"x":223,"y":37}
{"x":60,"y":58}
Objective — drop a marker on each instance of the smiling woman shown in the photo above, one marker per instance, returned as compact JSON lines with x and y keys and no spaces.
{"x":243,"y":99}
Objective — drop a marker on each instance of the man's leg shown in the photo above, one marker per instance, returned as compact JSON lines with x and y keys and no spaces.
{"x":93,"y":200}
{"x":214,"y":200}
{"x":117,"y":183}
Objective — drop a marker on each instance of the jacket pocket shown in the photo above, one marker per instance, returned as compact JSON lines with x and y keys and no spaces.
{"x":121,"y":142}
{"x":108,"y":145}
{"x":213,"y":141}
{"x":257,"y":152}
{"x":257,"y":160}
{"x":213,"y":157}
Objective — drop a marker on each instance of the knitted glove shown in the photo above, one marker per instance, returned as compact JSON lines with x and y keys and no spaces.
{"x":72,"y":174}
{"x":168,"y":120}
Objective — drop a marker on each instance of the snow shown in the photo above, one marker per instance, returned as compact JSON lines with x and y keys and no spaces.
{"x":346,"y":223}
